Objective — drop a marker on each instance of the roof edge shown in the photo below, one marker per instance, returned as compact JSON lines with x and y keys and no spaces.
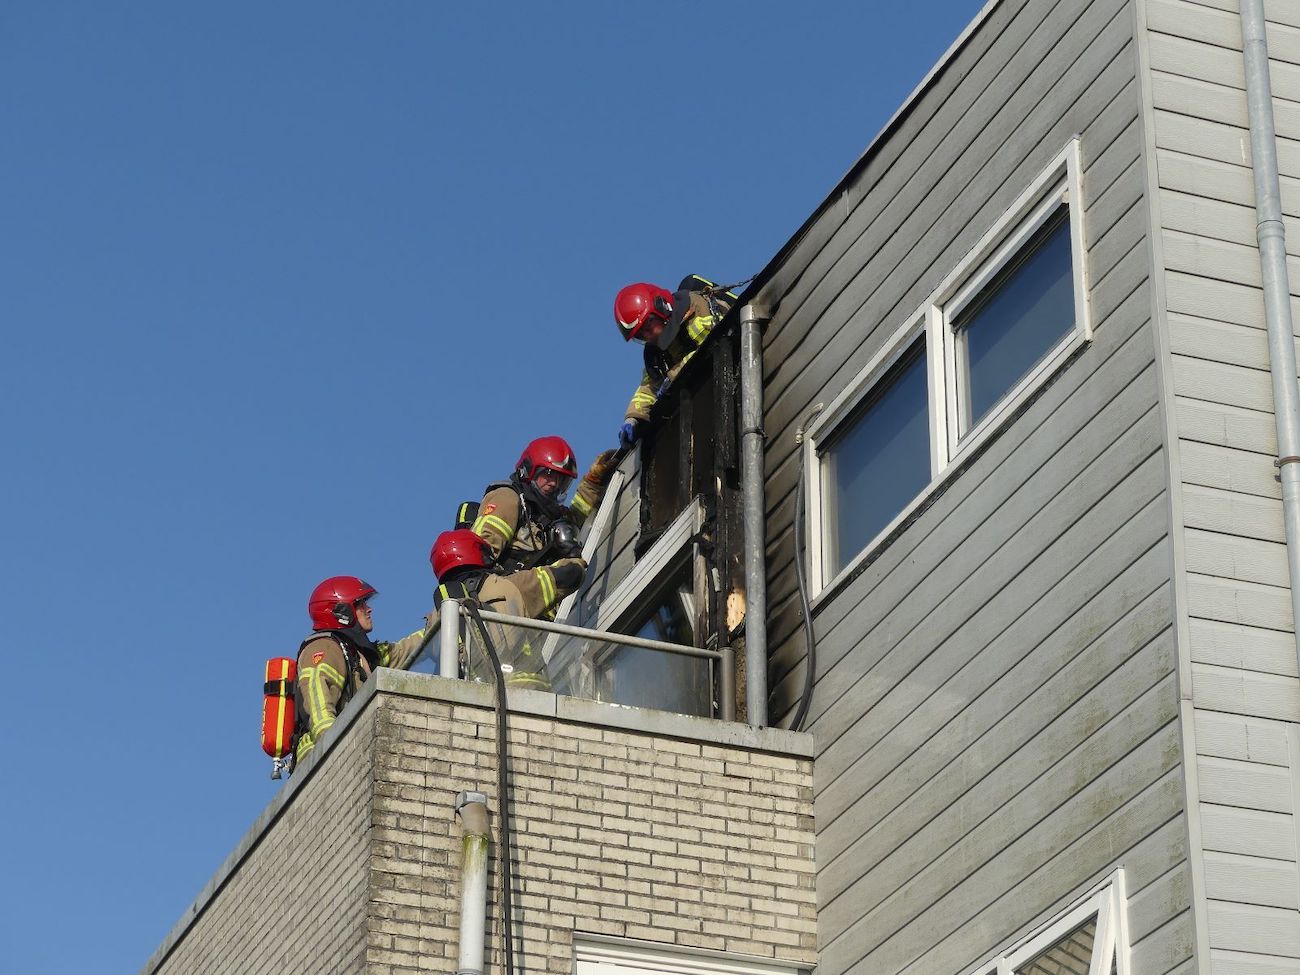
{"x":763,"y":277}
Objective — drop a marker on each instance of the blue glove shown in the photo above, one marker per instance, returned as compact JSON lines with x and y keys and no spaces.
{"x":627,"y":434}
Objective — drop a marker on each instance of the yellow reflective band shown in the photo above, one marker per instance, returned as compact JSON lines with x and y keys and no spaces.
{"x":581,"y":505}
{"x":547,"y":582}
{"x":518,"y":679}
{"x":492,"y":521}
{"x":305,"y":744}
{"x":643,"y":399}
{"x":320,"y":718}
{"x":323,"y":726}
{"x":331,"y":673}
{"x":699,"y":327}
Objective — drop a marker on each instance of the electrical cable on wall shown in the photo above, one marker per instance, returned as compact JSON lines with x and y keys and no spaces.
{"x":503,"y":790}
{"x":801,"y":579}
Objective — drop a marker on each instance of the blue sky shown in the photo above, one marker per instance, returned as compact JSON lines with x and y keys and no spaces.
{"x":282,"y":283}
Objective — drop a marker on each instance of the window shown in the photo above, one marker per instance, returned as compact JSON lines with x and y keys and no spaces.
{"x":1015,"y":319}
{"x":1003,"y":321}
{"x":601,"y":955}
{"x":878,"y":461}
{"x":653,"y":679}
{"x":1088,"y":939}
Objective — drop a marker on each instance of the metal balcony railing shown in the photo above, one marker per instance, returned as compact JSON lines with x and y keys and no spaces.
{"x":586,"y":663}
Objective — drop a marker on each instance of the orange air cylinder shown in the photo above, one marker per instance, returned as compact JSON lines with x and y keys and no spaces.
{"x":277,"y":706}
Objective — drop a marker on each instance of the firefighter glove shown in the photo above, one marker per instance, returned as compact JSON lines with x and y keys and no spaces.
{"x":568,"y":573}
{"x":601,"y":468}
{"x":628,"y":434}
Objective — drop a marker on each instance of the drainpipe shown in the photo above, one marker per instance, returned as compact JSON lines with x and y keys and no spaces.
{"x":449,"y":638}
{"x":471,"y":809}
{"x":1270,"y":232}
{"x":752,"y":318}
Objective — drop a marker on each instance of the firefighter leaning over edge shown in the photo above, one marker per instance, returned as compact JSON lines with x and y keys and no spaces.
{"x":672,"y":327}
{"x":524,"y":520}
{"x":462,"y":562}
{"x":339,"y":656}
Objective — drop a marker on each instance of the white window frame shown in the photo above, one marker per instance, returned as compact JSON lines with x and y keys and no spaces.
{"x":650,"y":572}
{"x":1108,"y":902}
{"x":595,"y":954}
{"x":828,"y":424}
{"x":1059,"y":184}
{"x":951,"y":443}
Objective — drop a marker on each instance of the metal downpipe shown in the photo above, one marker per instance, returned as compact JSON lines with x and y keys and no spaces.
{"x":449,"y":638}
{"x":752,"y":318}
{"x":1270,"y":232}
{"x":471,"y":810}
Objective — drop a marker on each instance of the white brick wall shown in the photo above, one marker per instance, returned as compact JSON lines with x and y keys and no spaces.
{"x":663,"y":831}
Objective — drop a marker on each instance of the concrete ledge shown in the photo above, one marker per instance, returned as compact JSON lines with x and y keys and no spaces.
{"x":666,"y":724}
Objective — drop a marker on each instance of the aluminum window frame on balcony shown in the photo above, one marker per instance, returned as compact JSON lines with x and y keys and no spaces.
{"x":953,"y":439}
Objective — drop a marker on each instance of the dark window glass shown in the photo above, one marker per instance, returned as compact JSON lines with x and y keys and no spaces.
{"x":880,"y":461}
{"x":1017,"y":318}
{"x":651,"y":679}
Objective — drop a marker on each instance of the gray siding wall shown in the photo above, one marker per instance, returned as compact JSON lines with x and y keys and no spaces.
{"x":996,"y":704}
{"x":1241,"y":647}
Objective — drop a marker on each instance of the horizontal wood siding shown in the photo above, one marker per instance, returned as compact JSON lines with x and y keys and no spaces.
{"x":995,"y":705}
{"x":1242,"y":648}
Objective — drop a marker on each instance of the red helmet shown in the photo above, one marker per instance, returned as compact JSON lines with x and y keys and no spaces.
{"x":547,"y":453}
{"x":456,"y":548}
{"x":333,"y":604}
{"x":637,"y":303}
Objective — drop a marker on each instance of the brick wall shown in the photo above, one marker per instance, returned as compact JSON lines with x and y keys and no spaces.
{"x":291,"y":898}
{"x":629,"y":823}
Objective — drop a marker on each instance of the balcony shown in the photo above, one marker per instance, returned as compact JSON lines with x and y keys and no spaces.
{"x":574,"y":661}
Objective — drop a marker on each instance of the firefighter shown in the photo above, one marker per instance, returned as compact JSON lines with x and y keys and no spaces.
{"x":462,"y":561}
{"x":672,"y":327}
{"x":524,"y":520}
{"x":337,"y":658}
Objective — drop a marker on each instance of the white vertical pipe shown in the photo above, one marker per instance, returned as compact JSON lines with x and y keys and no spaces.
{"x":471,"y":809}
{"x":449,"y":638}
{"x":1270,"y":232}
{"x":752,"y":318}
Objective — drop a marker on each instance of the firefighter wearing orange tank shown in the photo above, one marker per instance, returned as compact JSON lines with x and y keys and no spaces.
{"x":462,"y":562}
{"x":338,"y":657}
{"x":524,"y":520}
{"x":672,"y":327}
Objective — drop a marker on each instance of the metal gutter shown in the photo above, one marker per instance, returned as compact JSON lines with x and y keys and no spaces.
{"x":1270,"y":232}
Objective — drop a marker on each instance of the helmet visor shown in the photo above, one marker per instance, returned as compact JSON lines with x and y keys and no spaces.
{"x":552,"y":484}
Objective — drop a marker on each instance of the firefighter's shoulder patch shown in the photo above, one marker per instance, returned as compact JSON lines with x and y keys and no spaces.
{"x":488,"y":509}
{"x":318,"y":656}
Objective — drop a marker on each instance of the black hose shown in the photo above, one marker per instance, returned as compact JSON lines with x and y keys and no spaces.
{"x":503,"y":789}
{"x":801,"y":578}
